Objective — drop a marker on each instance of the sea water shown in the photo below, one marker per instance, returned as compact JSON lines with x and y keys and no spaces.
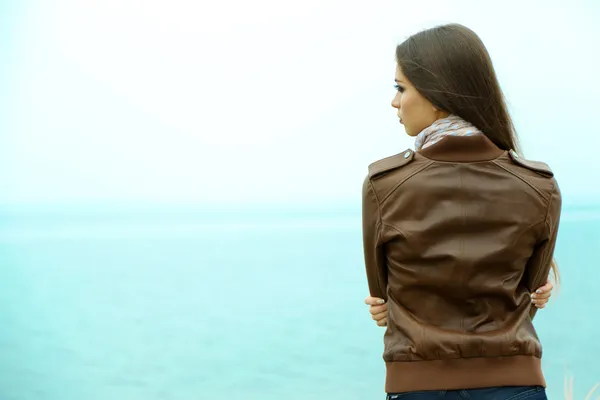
{"x":100,"y":305}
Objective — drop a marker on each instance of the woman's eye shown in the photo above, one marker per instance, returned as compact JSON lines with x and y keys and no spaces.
{"x":399,"y":88}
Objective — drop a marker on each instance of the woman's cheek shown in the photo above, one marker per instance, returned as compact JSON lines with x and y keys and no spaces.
{"x":405,"y":105}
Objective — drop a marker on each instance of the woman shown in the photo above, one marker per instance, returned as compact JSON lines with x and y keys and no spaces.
{"x":459,"y":232}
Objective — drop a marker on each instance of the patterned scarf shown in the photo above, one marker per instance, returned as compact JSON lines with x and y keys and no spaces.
{"x":451,"y":126}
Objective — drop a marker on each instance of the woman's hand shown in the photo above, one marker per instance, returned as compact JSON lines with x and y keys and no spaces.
{"x":542,"y":295}
{"x":378,"y":310}
{"x":378,"y":307}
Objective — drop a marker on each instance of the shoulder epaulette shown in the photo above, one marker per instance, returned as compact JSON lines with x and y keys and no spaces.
{"x":537,"y":166}
{"x":390,"y":163}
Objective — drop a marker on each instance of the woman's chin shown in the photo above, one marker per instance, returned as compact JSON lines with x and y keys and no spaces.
{"x":409,"y":132}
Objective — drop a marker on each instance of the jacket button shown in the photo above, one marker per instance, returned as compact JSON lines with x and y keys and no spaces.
{"x":407,"y":154}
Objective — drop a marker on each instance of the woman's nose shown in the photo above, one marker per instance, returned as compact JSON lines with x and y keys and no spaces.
{"x":396,"y":101}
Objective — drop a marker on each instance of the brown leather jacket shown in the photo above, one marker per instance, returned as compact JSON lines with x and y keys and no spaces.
{"x":456,"y":237}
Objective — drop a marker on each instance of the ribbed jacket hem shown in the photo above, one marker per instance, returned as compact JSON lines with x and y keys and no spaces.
{"x":463,"y":373}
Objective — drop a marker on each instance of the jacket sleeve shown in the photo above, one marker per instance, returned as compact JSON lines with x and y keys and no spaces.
{"x":372,"y":244}
{"x":538,"y":266}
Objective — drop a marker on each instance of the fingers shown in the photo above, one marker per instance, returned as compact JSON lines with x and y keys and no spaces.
{"x":378,"y":309}
{"x":542,"y":295}
{"x":374,"y":301}
{"x":379,"y":317}
{"x":540,"y":300}
{"x":546,"y":288}
{"x":378,"y":312}
{"x":539,"y":303}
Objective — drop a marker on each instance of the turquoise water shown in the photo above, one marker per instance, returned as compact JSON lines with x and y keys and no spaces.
{"x":197,"y":305}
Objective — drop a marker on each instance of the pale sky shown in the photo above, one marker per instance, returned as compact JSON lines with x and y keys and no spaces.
{"x":263,"y":101}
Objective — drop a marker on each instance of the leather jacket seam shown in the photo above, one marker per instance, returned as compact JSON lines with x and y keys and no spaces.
{"x":530,"y":226}
{"x":546,"y":233}
{"x":393,"y":228}
{"x":397,"y":185}
{"x":552,"y":194}
{"x":379,"y":220}
{"x":526,"y":354}
{"x":378,"y":225}
{"x":521,"y":178}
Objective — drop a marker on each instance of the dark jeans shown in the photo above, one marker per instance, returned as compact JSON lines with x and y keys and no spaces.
{"x":495,"y":393}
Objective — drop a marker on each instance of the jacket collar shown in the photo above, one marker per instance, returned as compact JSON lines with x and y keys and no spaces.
{"x":463,"y":149}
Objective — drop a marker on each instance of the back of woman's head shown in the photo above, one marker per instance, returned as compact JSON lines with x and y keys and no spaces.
{"x":450,"y":67}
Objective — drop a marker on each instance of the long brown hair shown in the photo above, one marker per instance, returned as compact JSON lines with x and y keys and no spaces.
{"x":450,"y":66}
